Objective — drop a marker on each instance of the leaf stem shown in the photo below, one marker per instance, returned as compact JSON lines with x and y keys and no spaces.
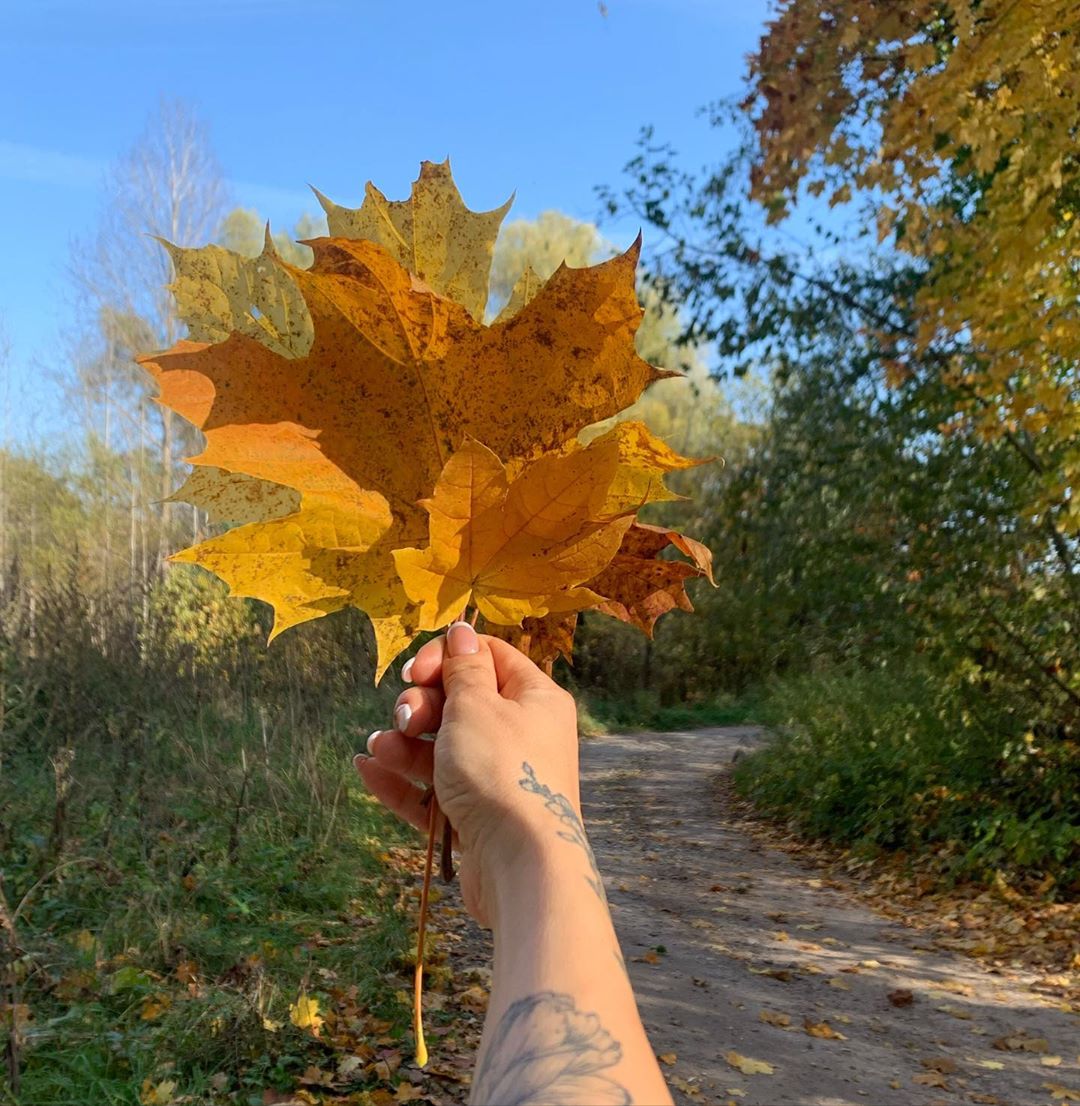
{"x":418,"y":1019}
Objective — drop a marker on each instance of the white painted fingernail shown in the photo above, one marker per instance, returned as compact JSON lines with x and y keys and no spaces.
{"x":401,"y":716}
{"x":406,"y":671}
{"x":371,"y":743}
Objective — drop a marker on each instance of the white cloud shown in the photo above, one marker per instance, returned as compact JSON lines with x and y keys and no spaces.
{"x":35,"y":165}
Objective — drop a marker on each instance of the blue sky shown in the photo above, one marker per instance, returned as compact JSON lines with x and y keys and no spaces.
{"x":542,"y":96}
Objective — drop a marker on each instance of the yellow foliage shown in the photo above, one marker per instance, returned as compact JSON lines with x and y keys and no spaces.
{"x":986,"y":92}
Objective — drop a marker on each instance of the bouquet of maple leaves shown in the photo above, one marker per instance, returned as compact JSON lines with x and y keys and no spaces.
{"x":376,"y":444}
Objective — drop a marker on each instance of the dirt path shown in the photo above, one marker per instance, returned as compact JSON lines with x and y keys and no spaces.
{"x":744,"y":929}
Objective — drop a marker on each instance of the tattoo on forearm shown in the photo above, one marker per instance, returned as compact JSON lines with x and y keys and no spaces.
{"x":547,"y":1051}
{"x":560,"y":806}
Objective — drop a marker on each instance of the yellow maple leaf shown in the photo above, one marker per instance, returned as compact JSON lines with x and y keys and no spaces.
{"x":233,"y":498}
{"x":432,"y":233}
{"x":304,"y":1014}
{"x":520,"y":548}
{"x":157,"y":1094}
{"x":822,"y":1030}
{"x":747,"y":1065}
{"x":219,"y":292}
{"x":1061,"y":1093}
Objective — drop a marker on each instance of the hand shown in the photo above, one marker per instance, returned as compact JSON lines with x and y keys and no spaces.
{"x":492,"y":710}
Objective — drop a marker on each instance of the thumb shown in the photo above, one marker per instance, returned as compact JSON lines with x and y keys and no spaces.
{"x":467,"y":667}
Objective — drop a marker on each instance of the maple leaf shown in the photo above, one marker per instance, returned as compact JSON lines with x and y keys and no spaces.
{"x":432,"y":233}
{"x":637,"y":587}
{"x":232,"y":497}
{"x":747,"y":1065}
{"x":304,"y":1014}
{"x":542,"y":640}
{"x":219,"y":292}
{"x":342,"y":404}
{"x":520,"y":549}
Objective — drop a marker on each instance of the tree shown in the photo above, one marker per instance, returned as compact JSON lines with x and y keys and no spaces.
{"x":959,"y":124}
{"x":866,"y":530}
{"x":168,"y":184}
{"x":243,"y":231}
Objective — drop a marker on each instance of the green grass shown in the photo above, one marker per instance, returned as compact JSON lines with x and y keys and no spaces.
{"x":643,"y":711}
{"x":893,"y":759}
{"x":192,"y":900}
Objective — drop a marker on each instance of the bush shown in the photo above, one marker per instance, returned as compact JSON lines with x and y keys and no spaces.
{"x":893,"y":759}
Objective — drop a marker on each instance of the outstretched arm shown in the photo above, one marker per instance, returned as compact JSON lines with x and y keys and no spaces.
{"x":562,"y":1025}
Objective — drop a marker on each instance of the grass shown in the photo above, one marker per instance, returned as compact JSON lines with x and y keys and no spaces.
{"x":167,"y":929}
{"x":892,"y":759}
{"x":643,"y":711}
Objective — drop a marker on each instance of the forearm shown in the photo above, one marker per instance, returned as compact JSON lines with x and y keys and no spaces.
{"x":562,"y":1024}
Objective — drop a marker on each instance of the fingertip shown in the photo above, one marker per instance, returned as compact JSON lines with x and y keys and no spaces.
{"x":427,"y":664}
{"x":461,"y":640}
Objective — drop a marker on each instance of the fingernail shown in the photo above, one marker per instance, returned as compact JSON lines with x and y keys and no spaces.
{"x":406,"y":669}
{"x":461,"y":640}
{"x":359,"y":759}
{"x":371,"y":743}
{"x":402,"y":714}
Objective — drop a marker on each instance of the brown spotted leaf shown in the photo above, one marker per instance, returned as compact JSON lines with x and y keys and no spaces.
{"x":341,"y":404}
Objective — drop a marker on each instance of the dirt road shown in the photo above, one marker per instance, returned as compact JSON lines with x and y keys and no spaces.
{"x":717,"y":929}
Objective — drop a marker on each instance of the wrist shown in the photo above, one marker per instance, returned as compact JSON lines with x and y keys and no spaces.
{"x":520,"y":872}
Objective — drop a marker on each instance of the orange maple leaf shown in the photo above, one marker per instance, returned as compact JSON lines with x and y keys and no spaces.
{"x":338,"y":436}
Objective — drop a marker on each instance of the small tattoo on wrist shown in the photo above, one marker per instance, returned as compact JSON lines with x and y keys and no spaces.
{"x":561,"y":807}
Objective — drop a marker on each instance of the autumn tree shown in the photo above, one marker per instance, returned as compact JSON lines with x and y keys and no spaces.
{"x":870,"y":535}
{"x":957,"y":124}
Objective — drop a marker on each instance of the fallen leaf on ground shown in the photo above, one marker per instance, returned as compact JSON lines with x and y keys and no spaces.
{"x":154,"y":1006}
{"x":785,"y":975}
{"x":944,"y":1064}
{"x":955,"y":1012}
{"x":304,"y":1014}
{"x":773,"y":1017}
{"x":668,"y":1058}
{"x":406,"y":1092}
{"x":838,"y":983}
{"x":1062,"y":1093}
{"x":901,"y":997}
{"x":1021,"y":1042}
{"x":990,"y":1065}
{"x":747,"y":1065}
{"x":157,"y":1094}
{"x":1050,"y":1061}
{"x":955,"y":986}
{"x":823,"y":1030}
{"x":931,"y":1079}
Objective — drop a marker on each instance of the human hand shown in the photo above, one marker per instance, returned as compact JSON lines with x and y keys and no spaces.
{"x":492,"y":711}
